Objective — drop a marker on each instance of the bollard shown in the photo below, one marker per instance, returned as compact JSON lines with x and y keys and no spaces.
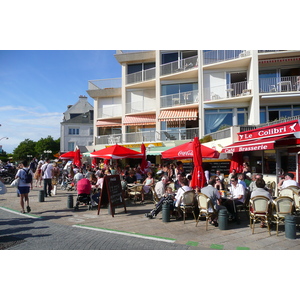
{"x":223,"y":219}
{"x":41,"y":196}
{"x":111,"y":210}
{"x":290,"y":227}
{"x":166,"y":212}
{"x":70,"y":201}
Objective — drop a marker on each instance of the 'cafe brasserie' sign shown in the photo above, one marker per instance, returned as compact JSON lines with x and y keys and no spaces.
{"x":269,"y":131}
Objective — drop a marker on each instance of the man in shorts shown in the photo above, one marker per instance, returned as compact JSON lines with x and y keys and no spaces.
{"x":23,"y":187}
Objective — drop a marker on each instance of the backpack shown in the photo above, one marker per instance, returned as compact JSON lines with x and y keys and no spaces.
{"x":28,"y":176}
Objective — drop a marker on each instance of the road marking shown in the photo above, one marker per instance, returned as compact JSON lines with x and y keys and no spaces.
{"x":132,"y":234}
{"x":19,"y":213}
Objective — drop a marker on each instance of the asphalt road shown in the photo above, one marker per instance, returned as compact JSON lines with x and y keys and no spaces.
{"x":20,"y":232}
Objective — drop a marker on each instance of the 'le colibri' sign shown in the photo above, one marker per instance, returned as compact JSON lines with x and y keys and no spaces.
{"x":269,"y":131}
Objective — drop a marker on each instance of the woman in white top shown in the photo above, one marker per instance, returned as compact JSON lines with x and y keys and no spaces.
{"x":23,"y":187}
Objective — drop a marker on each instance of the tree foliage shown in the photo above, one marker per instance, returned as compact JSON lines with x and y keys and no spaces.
{"x":28,"y":148}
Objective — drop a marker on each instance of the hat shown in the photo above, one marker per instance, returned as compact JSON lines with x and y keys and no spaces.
{"x":290,"y":174}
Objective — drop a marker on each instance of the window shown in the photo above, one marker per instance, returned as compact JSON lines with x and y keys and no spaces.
{"x":272,"y":113}
{"x":71,"y":146}
{"x":73,"y":131}
{"x":91,"y":131}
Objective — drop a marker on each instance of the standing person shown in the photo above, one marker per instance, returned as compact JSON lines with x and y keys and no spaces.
{"x":23,"y":187}
{"x":55,"y":175}
{"x":38,"y":175}
{"x":47,"y":177}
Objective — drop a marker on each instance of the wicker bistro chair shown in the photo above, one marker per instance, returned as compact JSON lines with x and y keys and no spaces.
{"x":135,"y":191}
{"x":294,"y":193}
{"x":206,"y":208}
{"x":259,"y":209}
{"x":284,"y":205}
{"x":155,"y":198}
{"x":188,"y":203}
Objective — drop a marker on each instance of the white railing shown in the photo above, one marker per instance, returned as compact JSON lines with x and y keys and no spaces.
{"x":140,"y":106}
{"x":105,"y":83}
{"x":237,"y":89}
{"x":183,"y":98}
{"x":109,"y":139}
{"x":215,"y":56}
{"x":179,"y":65}
{"x":179,"y":134}
{"x":279,"y":84}
{"x":140,"y":76}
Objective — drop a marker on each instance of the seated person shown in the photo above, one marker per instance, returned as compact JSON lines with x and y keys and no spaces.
{"x":131,"y":178}
{"x":237,"y":192}
{"x":163,"y":194}
{"x":287,"y":181}
{"x":218,"y":184}
{"x":214,"y":195}
{"x":184,"y":187}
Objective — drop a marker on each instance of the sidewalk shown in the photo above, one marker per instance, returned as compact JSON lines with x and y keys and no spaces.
{"x":134,"y":222}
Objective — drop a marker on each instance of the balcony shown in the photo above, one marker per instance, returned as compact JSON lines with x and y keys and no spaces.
{"x":215,"y":56}
{"x":279,"y":84}
{"x":228,"y":91}
{"x":104,"y":88}
{"x":177,"y":66}
{"x":140,"y":106}
{"x":183,"y":98}
{"x":141,"y":76}
{"x":111,"y":111}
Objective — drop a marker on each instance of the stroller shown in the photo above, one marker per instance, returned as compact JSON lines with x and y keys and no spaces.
{"x":83,"y":193}
{"x":158,"y":207}
{"x":67,"y":184}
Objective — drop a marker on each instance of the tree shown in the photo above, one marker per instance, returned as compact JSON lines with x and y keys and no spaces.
{"x":25,"y":148}
{"x":47,"y":144}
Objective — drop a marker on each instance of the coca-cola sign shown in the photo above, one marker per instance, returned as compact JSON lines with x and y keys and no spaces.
{"x":269,"y":131}
{"x":185,"y":153}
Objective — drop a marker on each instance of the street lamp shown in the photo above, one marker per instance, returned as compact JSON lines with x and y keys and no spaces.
{"x":4,"y":138}
{"x":47,"y":152}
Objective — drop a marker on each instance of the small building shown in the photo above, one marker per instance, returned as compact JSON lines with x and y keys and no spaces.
{"x":77,"y":126}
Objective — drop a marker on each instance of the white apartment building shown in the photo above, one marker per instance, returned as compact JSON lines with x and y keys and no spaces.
{"x":77,"y":127}
{"x":166,"y":97}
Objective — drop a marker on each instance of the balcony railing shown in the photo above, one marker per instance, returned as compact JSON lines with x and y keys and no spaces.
{"x":279,"y":84}
{"x":111,"y":111}
{"x":237,"y":89}
{"x":105,"y":83}
{"x":179,"y":65}
{"x":140,"y":106}
{"x":183,"y":98}
{"x":140,"y":76}
{"x":109,"y":139}
{"x":215,"y":56}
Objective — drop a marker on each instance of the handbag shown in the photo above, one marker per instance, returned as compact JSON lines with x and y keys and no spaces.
{"x":2,"y":188}
{"x":15,"y":182}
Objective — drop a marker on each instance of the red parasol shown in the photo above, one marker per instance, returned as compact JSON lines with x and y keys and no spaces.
{"x":116,"y":152}
{"x":198,"y":176}
{"x":144,"y":163}
{"x":236,"y":162}
{"x":77,"y":156}
{"x":68,"y":155}
{"x":185,"y":151}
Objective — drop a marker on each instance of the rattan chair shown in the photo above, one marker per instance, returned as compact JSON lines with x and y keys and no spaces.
{"x":135,"y":191}
{"x":206,"y":208}
{"x":294,"y":193}
{"x":155,"y":198}
{"x":284,"y":205}
{"x":187,"y":203}
{"x":259,"y":210}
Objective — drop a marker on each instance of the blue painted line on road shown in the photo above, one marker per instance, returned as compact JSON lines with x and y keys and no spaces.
{"x":19,"y":213}
{"x":126,"y":233}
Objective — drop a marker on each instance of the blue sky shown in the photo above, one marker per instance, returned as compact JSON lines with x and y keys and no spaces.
{"x":37,"y":85}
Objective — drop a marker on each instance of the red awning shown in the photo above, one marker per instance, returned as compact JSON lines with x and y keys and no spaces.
{"x":254,"y":145}
{"x":179,"y":115}
{"x":139,"y":120}
{"x":109,"y":123}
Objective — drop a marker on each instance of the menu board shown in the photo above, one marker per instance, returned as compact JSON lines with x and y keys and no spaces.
{"x":111,"y":193}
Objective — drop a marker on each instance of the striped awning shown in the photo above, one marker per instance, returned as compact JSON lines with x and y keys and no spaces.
{"x":139,"y":120}
{"x":179,"y":115}
{"x":277,"y":60}
{"x":109,"y":123}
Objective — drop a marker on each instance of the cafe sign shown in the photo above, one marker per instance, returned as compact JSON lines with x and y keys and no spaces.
{"x":270,"y":131}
